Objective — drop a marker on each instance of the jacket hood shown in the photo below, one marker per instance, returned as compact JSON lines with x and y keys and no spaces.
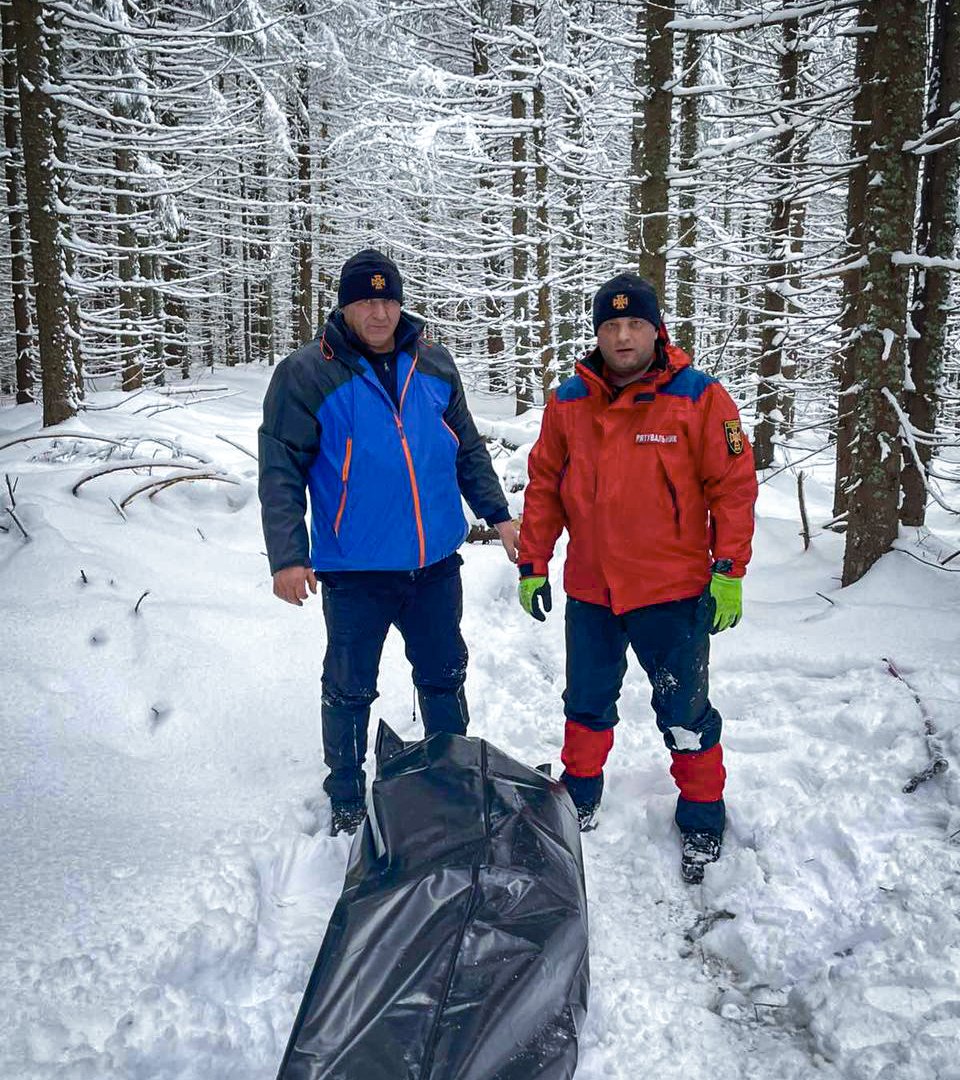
{"x":337,"y":339}
{"x":668,"y":362}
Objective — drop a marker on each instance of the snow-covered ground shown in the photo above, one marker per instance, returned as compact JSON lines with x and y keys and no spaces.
{"x":166,"y":873}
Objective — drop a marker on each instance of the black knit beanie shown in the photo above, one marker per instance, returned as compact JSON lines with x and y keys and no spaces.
{"x":369,"y":275}
{"x":626,"y":296}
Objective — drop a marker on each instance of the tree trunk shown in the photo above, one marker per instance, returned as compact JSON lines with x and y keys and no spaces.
{"x":650,"y":247}
{"x":489,"y":219}
{"x":19,"y":247}
{"x":127,"y":263}
{"x":774,"y":326}
{"x":521,"y":295}
{"x":853,"y":299}
{"x":545,"y":348}
{"x":683,"y":326}
{"x":899,"y":60}
{"x":38,"y":112}
{"x":303,"y":321}
{"x":937,"y":238}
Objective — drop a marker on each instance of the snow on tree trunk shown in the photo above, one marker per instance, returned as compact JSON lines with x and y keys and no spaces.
{"x":774,"y":322}
{"x":937,"y":238}
{"x":23,"y":331}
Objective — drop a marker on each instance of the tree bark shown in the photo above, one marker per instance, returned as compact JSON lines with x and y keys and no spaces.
{"x":937,"y":238}
{"x":852,"y":312}
{"x":38,"y":112}
{"x":489,"y":219}
{"x":23,"y":331}
{"x":650,"y":244}
{"x":683,"y":327}
{"x":519,"y":216}
{"x":899,"y":60}
{"x":774,"y":325}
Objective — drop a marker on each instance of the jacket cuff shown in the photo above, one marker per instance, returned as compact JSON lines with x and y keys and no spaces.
{"x":498,"y":516}
{"x":537,"y":568}
{"x":738,"y":569}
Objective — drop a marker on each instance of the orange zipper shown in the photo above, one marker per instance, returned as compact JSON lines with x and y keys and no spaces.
{"x":416,"y":493}
{"x":410,"y":469}
{"x":344,"y":474}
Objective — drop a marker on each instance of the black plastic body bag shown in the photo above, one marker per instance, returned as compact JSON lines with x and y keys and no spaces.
{"x":458,"y":948}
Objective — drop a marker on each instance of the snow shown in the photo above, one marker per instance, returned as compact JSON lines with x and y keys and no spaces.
{"x":167,"y":873}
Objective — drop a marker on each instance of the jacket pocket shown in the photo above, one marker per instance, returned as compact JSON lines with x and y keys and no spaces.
{"x":672,"y":489}
{"x":344,"y":479}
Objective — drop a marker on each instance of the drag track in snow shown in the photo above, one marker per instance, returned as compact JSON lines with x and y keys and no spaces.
{"x":168,"y":872}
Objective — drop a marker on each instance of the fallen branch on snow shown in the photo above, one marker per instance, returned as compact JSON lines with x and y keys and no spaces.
{"x":156,"y":486}
{"x":938,"y":763}
{"x":148,"y":464}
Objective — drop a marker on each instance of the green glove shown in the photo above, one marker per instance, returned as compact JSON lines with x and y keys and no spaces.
{"x":533,"y":591}
{"x":727,"y":593}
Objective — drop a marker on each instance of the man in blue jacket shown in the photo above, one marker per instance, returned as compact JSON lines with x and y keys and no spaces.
{"x":370,"y":418}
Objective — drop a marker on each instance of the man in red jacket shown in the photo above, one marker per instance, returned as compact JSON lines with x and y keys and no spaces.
{"x":642,"y":459}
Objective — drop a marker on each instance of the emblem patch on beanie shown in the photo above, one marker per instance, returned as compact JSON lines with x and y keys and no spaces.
{"x":379,"y":282}
{"x":620,"y":301}
{"x":734,"y":434}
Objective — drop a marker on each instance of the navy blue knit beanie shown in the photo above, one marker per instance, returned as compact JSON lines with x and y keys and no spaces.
{"x":626,"y":296}
{"x":369,"y":275}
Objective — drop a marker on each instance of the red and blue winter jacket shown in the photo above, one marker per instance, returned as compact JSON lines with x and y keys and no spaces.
{"x":384,"y":480}
{"x":651,"y":484}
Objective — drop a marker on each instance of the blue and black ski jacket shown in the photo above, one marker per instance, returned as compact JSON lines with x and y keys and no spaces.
{"x":384,"y":481}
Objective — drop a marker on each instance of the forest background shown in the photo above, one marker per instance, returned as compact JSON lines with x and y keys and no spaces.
{"x":183,"y":182}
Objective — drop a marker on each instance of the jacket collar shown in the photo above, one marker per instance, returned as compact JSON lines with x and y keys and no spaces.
{"x":337,"y":341}
{"x":669,"y":362}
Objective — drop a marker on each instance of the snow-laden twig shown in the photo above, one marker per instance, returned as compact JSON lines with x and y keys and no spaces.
{"x":928,"y":262}
{"x":156,"y":486}
{"x":237,"y":446}
{"x":128,"y":465}
{"x":906,"y":429}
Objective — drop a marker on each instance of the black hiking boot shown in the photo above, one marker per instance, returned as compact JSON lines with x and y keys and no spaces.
{"x":346,"y":815}
{"x":699,"y":848}
{"x":586,"y":792}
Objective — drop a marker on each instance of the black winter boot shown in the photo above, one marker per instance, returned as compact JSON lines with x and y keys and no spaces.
{"x":586,"y":792}
{"x":699,"y":848}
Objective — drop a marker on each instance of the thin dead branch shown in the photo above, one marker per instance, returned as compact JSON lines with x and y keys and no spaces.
{"x":156,"y":486}
{"x":938,"y":763}
{"x":147,"y":464}
{"x":237,"y":446}
{"x":17,"y":522}
{"x":804,"y":522}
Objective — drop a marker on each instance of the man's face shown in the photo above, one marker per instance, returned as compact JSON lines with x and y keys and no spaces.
{"x":374,"y":322}
{"x":628,"y":345}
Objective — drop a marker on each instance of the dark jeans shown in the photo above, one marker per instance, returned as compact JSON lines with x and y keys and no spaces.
{"x":672,"y":643}
{"x":359,"y":607}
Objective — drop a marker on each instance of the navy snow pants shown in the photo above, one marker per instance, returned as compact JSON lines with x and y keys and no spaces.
{"x":672,"y":643}
{"x":359,"y":607}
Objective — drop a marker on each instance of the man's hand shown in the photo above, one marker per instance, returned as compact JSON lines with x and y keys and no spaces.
{"x":727,"y":593}
{"x":533,"y":592}
{"x":291,"y":584}
{"x":509,"y":537}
